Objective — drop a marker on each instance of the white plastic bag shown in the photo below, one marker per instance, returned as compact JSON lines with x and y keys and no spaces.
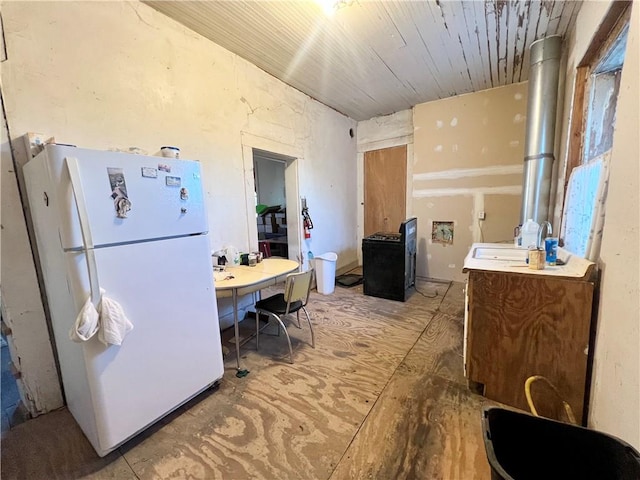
{"x":233,"y":255}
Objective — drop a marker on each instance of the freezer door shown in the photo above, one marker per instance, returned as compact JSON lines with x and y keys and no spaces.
{"x":166,"y":290}
{"x":128,"y":197}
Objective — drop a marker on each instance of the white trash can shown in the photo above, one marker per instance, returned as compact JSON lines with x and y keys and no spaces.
{"x":326,"y":272}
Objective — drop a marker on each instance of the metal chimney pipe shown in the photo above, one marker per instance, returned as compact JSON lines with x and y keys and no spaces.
{"x":540,"y":133}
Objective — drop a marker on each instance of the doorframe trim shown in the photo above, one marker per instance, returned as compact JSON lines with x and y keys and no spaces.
{"x":292,"y":189}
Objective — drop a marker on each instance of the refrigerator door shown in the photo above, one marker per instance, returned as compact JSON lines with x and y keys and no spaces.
{"x":174,"y":351}
{"x":128,"y":197}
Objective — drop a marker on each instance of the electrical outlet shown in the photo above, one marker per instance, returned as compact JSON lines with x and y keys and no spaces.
{"x":481,"y":215}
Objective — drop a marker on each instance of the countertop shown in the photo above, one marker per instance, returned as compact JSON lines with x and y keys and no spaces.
{"x":575,"y":267}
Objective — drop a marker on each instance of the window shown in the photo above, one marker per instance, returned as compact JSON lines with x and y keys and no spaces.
{"x":593,"y":122}
{"x":604,"y":85}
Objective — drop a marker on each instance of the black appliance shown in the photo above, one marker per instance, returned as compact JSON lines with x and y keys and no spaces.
{"x":389,"y":262}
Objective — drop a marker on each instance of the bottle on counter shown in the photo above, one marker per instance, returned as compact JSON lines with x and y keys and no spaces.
{"x":529,"y":232}
{"x":551,"y":249}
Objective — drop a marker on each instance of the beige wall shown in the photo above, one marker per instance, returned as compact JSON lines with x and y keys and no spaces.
{"x":615,"y":396}
{"x":114,"y":75}
{"x":468,"y":153}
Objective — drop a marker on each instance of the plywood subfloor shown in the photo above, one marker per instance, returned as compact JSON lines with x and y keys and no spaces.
{"x":381,"y":396}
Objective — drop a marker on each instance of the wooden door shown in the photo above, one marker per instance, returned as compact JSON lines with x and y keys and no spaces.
{"x":385,"y":189}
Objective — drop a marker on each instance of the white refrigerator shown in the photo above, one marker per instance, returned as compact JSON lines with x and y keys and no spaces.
{"x":135,"y":227}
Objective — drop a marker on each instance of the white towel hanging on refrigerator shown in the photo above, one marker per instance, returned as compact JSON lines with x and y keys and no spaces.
{"x":114,"y":324}
{"x":87,"y":323}
{"x":108,"y":321}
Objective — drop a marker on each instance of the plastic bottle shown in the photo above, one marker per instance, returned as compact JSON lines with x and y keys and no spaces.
{"x":551,"y":247}
{"x":530,"y":234}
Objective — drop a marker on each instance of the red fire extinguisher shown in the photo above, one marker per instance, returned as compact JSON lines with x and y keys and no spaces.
{"x":307,"y":233}
{"x":306,"y":222}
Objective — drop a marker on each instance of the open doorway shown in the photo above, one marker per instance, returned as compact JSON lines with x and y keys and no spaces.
{"x":271,"y":203}
{"x":291,"y":157}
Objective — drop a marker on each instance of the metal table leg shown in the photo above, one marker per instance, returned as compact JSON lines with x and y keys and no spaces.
{"x":240,"y":372}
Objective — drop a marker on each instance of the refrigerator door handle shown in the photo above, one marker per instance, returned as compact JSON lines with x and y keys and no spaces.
{"x":83,"y":216}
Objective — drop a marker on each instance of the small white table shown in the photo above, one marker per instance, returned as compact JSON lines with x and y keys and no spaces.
{"x":247,"y":280}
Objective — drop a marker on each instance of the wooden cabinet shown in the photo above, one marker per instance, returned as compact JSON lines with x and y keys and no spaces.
{"x":520,"y":325}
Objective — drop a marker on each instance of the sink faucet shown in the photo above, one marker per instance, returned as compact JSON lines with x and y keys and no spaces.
{"x":549,"y":232}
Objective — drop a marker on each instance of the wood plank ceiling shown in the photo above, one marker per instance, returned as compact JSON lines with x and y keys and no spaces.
{"x":374,"y":58}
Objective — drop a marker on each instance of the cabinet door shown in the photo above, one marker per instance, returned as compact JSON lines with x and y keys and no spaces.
{"x":524,"y":325}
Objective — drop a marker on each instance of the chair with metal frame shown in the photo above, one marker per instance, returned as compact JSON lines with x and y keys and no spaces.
{"x":294,"y":298}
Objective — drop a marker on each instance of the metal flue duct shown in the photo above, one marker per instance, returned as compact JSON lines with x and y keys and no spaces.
{"x":540,"y":131}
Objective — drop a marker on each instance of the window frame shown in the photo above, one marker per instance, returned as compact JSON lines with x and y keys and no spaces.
{"x":613,"y":24}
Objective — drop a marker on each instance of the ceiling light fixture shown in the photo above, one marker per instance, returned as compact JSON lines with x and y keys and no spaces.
{"x":330,"y":7}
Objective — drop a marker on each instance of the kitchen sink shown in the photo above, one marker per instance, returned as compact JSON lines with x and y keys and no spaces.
{"x":500,"y":253}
